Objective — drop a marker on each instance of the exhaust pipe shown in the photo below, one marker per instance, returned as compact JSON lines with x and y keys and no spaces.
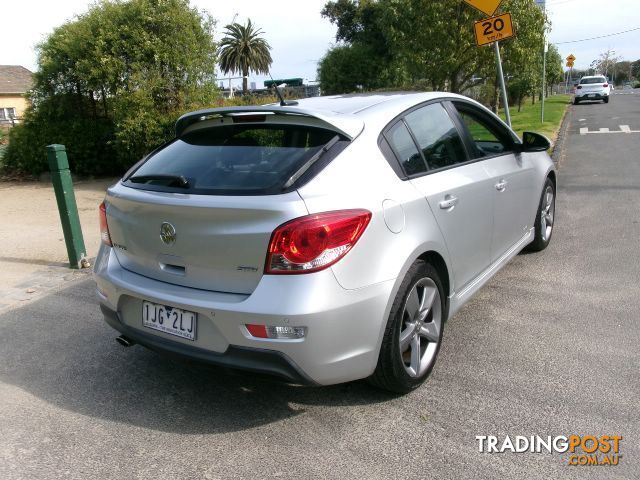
{"x":125,"y":341}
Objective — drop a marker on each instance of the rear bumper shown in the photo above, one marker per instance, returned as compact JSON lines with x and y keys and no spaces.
{"x":344,"y":327}
{"x":251,"y":359}
{"x":591,"y":95}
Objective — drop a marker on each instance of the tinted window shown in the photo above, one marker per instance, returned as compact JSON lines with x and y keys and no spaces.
{"x":587,"y":81}
{"x":437,"y":136}
{"x":483,"y":135}
{"x":233,"y":159}
{"x":405,"y":148}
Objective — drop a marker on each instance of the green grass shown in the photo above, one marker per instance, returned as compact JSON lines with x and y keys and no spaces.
{"x":528,"y":119}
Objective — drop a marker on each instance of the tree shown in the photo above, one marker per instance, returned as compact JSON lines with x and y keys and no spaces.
{"x":243,"y":51}
{"x":605,"y":63}
{"x":555,"y":72}
{"x":635,"y":69}
{"x":426,"y":42}
{"x":111,"y":83}
{"x":349,"y":68}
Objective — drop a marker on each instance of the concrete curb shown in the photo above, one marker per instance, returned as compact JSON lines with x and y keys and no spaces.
{"x":558,"y":152}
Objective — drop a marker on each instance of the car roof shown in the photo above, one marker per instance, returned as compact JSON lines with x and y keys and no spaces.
{"x":348,"y":113}
{"x":363,"y":105}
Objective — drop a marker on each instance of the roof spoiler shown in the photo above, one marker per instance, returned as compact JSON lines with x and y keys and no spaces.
{"x":344,"y":124}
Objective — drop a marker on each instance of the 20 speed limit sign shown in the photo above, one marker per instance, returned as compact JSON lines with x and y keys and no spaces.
{"x":493,"y":29}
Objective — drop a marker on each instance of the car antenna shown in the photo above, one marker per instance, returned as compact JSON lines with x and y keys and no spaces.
{"x":283,"y":103}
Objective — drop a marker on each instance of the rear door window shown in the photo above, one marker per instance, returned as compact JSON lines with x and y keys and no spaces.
{"x":233,"y":159}
{"x":405,"y":148}
{"x":437,"y":136}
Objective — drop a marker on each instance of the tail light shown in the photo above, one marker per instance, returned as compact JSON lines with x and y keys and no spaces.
{"x":605,"y":85}
{"x":104,"y":227}
{"x":314,"y":242}
{"x":579,"y":87}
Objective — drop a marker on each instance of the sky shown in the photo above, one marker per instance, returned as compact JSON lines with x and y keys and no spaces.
{"x":299,"y":36}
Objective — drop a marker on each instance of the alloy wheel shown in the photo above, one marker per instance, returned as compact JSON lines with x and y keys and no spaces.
{"x":420,"y":327}
{"x":547,"y":213}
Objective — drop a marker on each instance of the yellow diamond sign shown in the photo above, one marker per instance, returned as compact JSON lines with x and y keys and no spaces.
{"x":485,"y":6}
{"x":571,"y":58}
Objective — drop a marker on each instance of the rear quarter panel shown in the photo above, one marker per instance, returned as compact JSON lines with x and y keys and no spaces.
{"x":361,"y":178}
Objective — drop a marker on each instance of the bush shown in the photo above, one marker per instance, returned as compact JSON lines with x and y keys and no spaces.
{"x":637,"y":85}
{"x":111,"y":84}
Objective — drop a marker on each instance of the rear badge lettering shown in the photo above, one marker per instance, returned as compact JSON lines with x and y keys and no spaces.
{"x":244,"y":268}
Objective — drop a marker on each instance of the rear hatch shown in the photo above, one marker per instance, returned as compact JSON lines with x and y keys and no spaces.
{"x":220,"y":242}
{"x":200,"y":211}
{"x":594,"y":85}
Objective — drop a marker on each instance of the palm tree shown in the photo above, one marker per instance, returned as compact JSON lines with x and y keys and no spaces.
{"x":243,"y":50}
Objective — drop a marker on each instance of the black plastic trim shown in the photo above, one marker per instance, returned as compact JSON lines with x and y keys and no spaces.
{"x":244,"y":358}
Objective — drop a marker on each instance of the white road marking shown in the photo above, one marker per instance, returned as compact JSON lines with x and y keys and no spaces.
{"x":582,"y":120}
{"x":623,"y":129}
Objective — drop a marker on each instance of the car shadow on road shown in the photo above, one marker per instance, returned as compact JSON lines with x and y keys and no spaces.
{"x":59,"y":349}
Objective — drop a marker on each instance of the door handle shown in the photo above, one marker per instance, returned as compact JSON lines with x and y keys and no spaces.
{"x":449,"y":202}
{"x":501,"y":185}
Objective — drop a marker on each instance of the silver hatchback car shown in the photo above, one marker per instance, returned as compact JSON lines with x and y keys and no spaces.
{"x":321,"y":241}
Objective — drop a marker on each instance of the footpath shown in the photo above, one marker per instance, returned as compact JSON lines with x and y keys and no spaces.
{"x":33,"y":257}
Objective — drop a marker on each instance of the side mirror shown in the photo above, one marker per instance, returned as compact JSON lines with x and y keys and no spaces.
{"x":534,"y":142}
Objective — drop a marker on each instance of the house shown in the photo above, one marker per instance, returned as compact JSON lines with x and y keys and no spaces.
{"x":15,"y":81}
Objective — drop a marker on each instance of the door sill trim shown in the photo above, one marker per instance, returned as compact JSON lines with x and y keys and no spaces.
{"x":458,"y":299}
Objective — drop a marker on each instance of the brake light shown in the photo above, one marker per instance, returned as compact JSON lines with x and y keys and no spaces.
{"x":605,"y":85}
{"x":579,"y":87}
{"x":314,"y":242}
{"x":104,"y":227}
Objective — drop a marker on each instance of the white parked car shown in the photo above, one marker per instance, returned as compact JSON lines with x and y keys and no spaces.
{"x":592,"y":88}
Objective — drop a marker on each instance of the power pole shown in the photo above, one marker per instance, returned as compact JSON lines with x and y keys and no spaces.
{"x":542,"y":5}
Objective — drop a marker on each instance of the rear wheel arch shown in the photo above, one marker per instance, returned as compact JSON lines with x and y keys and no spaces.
{"x":435,"y":259}
{"x":432,"y":257}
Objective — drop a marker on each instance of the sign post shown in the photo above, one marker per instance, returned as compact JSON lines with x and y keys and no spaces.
{"x":493,"y":30}
{"x":570,"y":59}
{"x":502,"y":85}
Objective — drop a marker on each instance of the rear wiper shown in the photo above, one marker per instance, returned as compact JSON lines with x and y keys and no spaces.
{"x":306,"y":166}
{"x":172,"y":180}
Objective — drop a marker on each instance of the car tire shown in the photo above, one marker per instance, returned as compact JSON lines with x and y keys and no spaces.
{"x":545,"y":218}
{"x":606,"y":100}
{"x":413,"y":333}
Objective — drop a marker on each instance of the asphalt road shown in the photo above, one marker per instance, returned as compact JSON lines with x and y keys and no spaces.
{"x":549,"y":347}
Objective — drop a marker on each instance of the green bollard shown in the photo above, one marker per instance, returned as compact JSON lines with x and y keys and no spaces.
{"x":63,"y":186}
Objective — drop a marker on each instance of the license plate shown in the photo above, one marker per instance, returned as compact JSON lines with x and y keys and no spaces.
{"x":592,"y":95}
{"x":171,"y":320}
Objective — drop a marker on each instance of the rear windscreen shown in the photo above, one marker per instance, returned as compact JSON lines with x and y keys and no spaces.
{"x":232,"y":159}
{"x":587,"y":81}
